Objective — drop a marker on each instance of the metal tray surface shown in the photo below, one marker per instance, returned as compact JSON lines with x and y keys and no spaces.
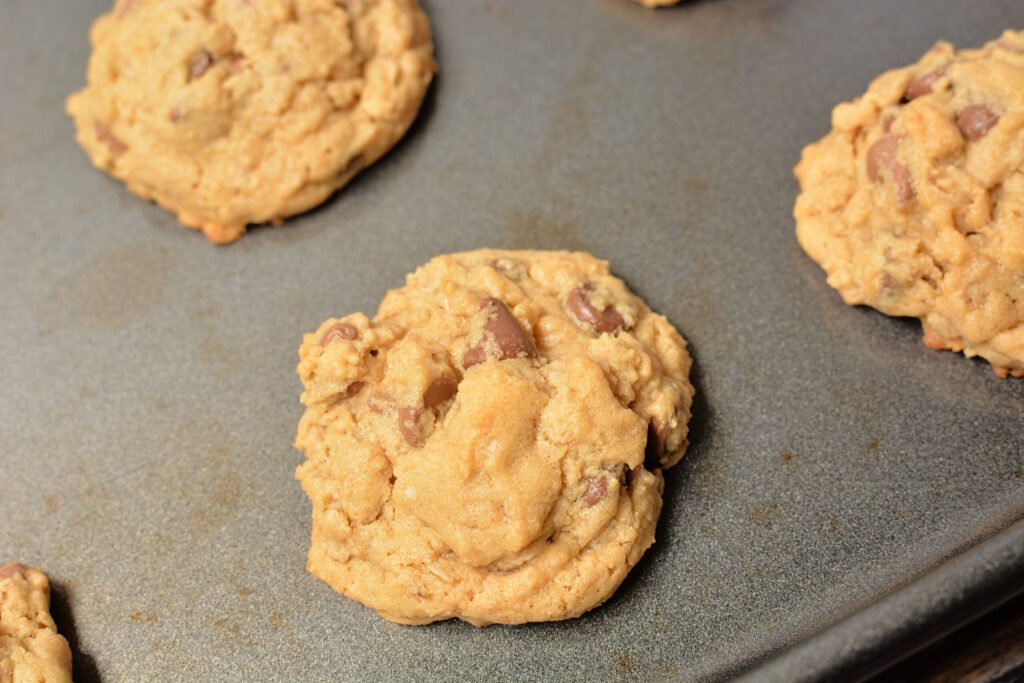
{"x":149,"y":396}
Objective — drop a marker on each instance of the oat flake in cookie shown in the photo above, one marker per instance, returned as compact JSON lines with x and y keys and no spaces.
{"x":231,"y":112}
{"x":31,"y":650}
{"x":491,"y":445}
{"x":914,"y":203}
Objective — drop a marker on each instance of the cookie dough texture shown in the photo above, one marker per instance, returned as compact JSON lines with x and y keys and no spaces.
{"x":491,"y":445}
{"x":31,"y":650}
{"x":230,"y":112}
{"x":914,"y":203}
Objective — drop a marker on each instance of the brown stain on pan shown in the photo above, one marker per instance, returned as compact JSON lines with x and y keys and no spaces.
{"x":112,"y":290}
{"x":764,"y":515}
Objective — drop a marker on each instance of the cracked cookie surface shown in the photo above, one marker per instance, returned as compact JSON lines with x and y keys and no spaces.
{"x":233,"y":112}
{"x":491,"y":445}
{"x":914,"y":203}
{"x":31,"y":650}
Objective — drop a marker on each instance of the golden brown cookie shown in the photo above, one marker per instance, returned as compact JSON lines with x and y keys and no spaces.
{"x":914,"y":203}
{"x":491,"y":445}
{"x":231,"y":112}
{"x":31,"y":650}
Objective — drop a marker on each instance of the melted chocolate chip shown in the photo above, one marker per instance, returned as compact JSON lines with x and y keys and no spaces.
{"x":975,"y":120}
{"x":597,"y":489}
{"x":339,"y":331}
{"x":511,"y":340}
{"x":439,"y":391}
{"x":104,"y":135}
{"x":882,"y":156}
{"x":408,"y":425}
{"x":608,"y":320}
{"x":923,"y":85}
{"x":199,"y":64}
{"x":11,"y":568}
{"x":351,"y":390}
{"x":377,"y":403}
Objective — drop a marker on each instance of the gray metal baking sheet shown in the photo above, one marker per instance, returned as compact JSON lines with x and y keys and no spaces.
{"x":149,"y":398}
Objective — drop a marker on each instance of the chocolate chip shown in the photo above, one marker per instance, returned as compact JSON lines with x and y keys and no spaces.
{"x":408,"y":425}
{"x":975,"y":120}
{"x":597,"y":489}
{"x":657,"y":441}
{"x":439,"y":391}
{"x":11,"y":568}
{"x":351,"y":390}
{"x":882,"y":156}
{"x":339,"y":331}
{"x":608,"y":320}
{"x":199,"y":64}
{"x":511,"y":340}
{"x":104,"y":135}
{"x":635,"y":473}
{"x":923,"y":85}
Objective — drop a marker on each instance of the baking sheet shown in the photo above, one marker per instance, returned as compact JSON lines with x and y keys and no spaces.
{"x":149,"y":397}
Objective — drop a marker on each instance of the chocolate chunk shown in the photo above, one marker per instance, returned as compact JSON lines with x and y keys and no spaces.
{"x":882,"y":156}
{"x":351,"y":390}
{"x":657,"y":442}
{"x":439,"y":391}
{"x":923,"y":85}
{"x":511,"y":339}
{"x":608,"y":320}
{"x":597,"y":489}
{"x":11,"y":568}
{"x":975,"y":120}
{"x":635,"y":473}
{"x":408,"y":425}
{"x":199,"y":64}
{"x":339,"y":331}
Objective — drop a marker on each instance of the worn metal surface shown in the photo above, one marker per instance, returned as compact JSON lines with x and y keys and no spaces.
{"x":149,"y":398}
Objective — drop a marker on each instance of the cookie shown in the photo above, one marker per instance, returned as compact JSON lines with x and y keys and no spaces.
{"x":914,"y":203}
{"x":30,"y":648}
{"x":657,"y":3}
{"x":491,"y":445}
{"x":231,"y":112}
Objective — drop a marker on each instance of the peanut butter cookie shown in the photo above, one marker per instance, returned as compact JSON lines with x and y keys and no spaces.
{"x":231,"y":112}
{"x":491,"y":445}
{"x":914,"y":203}
{"x":31,"y":650}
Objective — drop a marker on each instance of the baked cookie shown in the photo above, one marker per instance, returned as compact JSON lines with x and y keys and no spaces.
{"x":31,"y":650}
{"x":230,"y":112}
{"x":657,"y":3}
{"x":491,"y":445}
{"x":914,"y":203}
